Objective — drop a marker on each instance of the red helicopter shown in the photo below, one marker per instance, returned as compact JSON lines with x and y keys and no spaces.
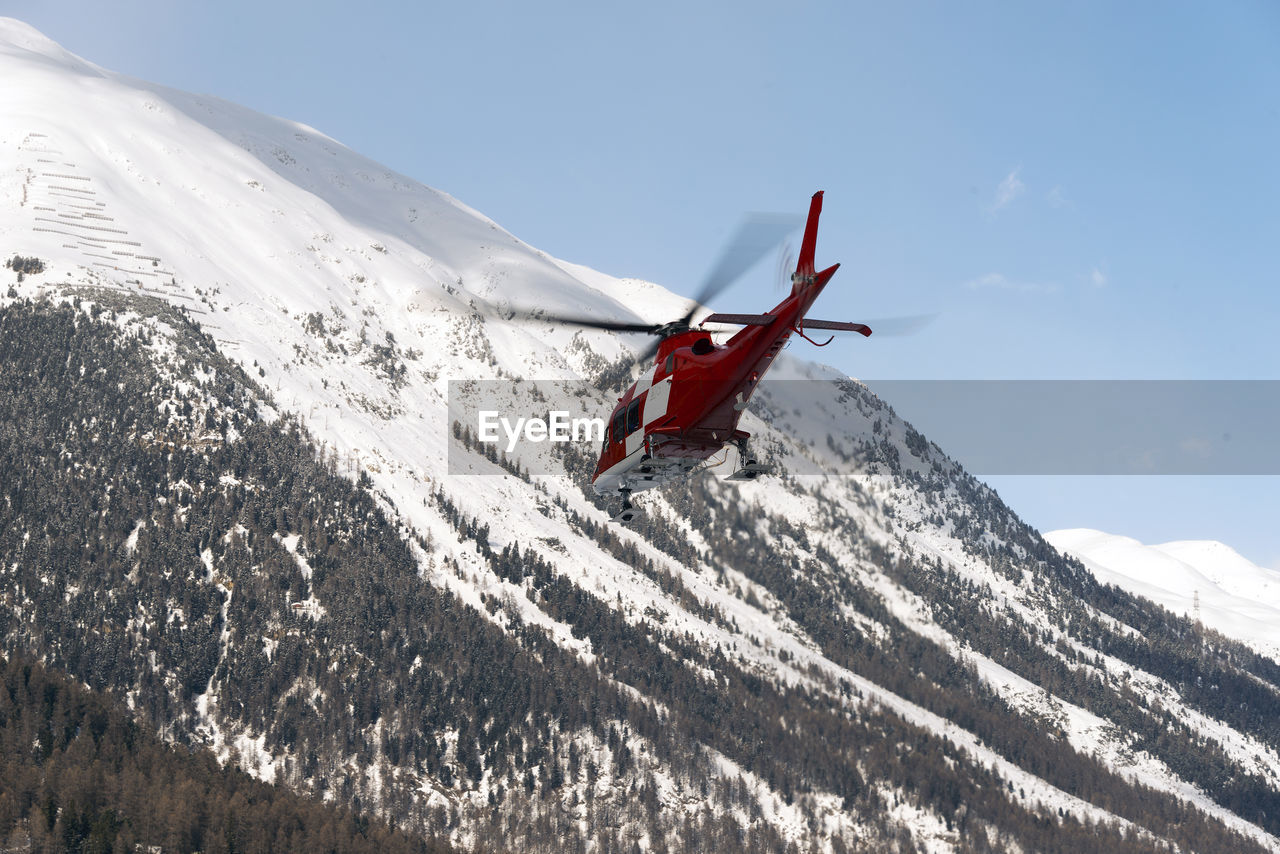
{"x":685,"y":408}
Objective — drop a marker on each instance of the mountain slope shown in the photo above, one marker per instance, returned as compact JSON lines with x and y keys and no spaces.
{"x":229,"y":500}
{"x":95,"y":782}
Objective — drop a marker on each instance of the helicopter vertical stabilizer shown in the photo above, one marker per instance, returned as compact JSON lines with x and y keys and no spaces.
{"x":805,"y":277}
{"x":804,"y":273}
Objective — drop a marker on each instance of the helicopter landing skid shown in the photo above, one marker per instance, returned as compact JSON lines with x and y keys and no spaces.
{"x":629,"y":512}
{"x":751,"y":471}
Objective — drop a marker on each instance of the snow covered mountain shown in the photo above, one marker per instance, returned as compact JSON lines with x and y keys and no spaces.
{"x":226,"y":441}
{"x":1233,"y":595}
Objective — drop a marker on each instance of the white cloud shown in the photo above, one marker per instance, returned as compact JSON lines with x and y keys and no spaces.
{"x":1196,"y":445}
{"x":1057,"y":199}
{"x":1098,"y":278}
{"x":989,"y":280}
{"x":1000,"y":281}
{"x":1008,"y":189}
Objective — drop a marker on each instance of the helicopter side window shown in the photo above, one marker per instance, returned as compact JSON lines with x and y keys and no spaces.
{"x":619,"y":421}
{"x":633,"y":416}
{"x":671,"y":363}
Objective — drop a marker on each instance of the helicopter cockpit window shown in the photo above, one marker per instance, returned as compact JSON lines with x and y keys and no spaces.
{"x":633,"y":416}
{"x":702,"y":347}
{"x":619,"y":421}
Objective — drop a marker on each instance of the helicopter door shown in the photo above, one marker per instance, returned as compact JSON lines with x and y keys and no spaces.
{"x":617,"y":431}
{"x":635,"y":436}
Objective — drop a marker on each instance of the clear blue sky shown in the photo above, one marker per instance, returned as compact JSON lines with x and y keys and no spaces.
{"x":1086,"y":190}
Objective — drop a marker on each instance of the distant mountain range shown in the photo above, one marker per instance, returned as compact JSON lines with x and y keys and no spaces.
{"x":1201,"y":579}
{"x":231,"y":502}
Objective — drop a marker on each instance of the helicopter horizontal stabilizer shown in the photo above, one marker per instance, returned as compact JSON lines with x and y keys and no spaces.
{"x":741,"y":319}
{"x":837,"y":326}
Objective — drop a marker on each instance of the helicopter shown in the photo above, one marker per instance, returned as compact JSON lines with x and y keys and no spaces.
{"x":685,"y":407}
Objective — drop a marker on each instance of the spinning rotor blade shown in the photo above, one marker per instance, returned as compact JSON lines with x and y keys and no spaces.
{"x":646,"y":356}
{"x":587,"y":322}
{"x":786,"y":266}
{"x":756,"y":237}
{"x":908,"y":324}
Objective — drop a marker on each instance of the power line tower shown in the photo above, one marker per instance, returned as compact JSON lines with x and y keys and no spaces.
{"x":1195,"y":607}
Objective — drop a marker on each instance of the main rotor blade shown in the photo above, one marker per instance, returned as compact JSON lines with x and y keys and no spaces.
{"x":758,"y":235}
{"x":586,"y":322}
{"x":645,"y":359}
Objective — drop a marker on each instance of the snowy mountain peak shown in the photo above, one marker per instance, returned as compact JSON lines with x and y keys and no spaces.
{"x":299,"y":255}
{"x":19,"y":38}
{"x":1236,"y":596}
